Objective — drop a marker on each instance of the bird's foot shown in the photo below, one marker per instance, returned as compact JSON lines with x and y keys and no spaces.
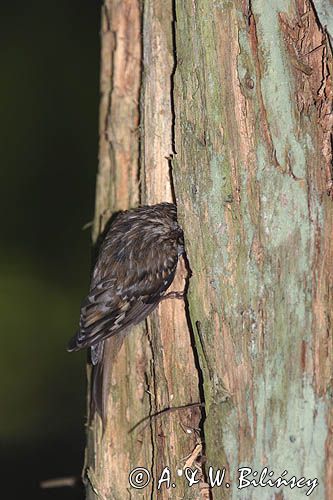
{"x":174,"y":295}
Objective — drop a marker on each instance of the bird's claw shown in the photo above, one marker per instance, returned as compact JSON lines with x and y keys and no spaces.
{"x":174,"y":295}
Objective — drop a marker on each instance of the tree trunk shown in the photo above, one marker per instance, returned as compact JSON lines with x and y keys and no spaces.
{"x":226,"y":106}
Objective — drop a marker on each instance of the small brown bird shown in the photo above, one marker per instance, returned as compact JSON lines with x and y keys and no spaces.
{"x":136,"y":265}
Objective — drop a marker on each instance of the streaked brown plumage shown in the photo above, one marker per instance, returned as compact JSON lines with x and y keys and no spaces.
{"x":135,"y":266}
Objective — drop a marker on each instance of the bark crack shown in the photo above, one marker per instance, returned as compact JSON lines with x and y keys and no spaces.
{"x":187,"y":265}
{"x":151,"y":410}
{"x":172,"y":100}
{"x":140,"y":117}
{"x":172,"y":77}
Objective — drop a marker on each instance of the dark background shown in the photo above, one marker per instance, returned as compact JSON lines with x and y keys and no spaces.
{"x":49,"y":136}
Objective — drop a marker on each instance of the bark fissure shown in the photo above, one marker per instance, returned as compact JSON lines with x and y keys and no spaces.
{"x":151,"y":429}
{"x":172,"y":77}
{"x":200,"y":376}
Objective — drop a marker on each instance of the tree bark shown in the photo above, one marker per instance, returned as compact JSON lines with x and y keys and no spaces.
{"x":226,"y":107}
{"x":153,"y":380}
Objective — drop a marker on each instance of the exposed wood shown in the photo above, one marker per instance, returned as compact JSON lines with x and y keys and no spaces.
{"x":108,"y":457}
{"x":153,"y":378}
{"x":172,"y":375}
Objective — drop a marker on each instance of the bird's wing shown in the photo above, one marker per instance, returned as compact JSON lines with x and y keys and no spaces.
{"x":109,"y":309}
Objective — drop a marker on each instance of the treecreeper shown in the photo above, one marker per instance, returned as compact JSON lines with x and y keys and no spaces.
{"x":136,"y":264}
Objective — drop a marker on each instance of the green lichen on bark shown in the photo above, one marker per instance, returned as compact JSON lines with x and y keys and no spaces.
{"x":251,"y":208}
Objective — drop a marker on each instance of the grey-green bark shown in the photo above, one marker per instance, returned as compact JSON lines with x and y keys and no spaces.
{"x":254,"y":119}
{"x":239,"y":96}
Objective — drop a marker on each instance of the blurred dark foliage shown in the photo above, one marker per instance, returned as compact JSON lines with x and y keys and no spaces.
{"x":49,"y":91}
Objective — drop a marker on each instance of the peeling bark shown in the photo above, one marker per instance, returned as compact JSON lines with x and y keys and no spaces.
{"x":154,"y":405}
